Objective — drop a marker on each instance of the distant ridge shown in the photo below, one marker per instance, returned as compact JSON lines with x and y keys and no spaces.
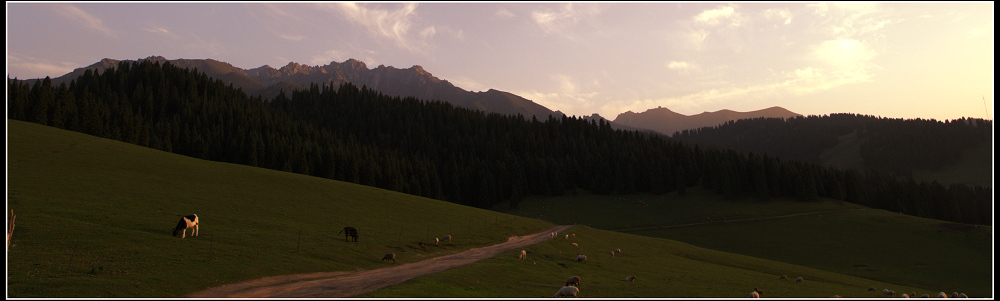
{"x":267,"y":82}
{"x":667,"y":122}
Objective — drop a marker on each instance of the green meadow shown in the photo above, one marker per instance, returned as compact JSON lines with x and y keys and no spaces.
{"x":827,"y":235}
{"x":94,"y":219}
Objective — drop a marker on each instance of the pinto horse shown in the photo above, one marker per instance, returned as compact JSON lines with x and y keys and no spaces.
{"x":349,"y":232}
{"x":190,"y":221}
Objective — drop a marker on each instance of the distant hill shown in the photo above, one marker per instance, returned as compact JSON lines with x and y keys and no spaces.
{"x":667,"y":122}
{"x":267,"y":82}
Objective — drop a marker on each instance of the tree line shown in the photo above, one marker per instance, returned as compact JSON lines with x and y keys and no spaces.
{"x":894,"y":145}
{"x":431,"y":148}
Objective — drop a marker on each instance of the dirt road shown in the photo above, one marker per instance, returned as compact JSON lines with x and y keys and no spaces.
{"x":346,"y":284}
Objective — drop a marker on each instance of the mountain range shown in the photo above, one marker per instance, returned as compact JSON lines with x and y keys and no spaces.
{"x":667,"y":122}
{"x":267,"y":82}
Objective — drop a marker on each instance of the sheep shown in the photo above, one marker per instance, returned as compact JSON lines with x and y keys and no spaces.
{"x":783,"y":277}
{"x":574,"y":235}
{"x":581,"y":258}
{"x":436,"y":241}
{"x":924,"y":296}
{"x":962,"y":295}
{"x":573,"y":280}
{"x":619,"y":251}
{"x":630,"y":278}
{"x":446,"y":237}
{"x":871,"y":289}
{"x":576,"y":245}
{"x":798,"y":279}
{"x":190,"y":221}
{"x":553,"y":234}
{"x":836,"y":296}
{"x":888,"y":293}
{"x":389,"y":256}
{"x":567,"y":291}
{"x":524,"y":255}
{"x":760,"y":292}
{"x":904,"y":296}
{"x":754,"y":295}
{"x":913,"y":294}
{"x":942,"y":295}
{"x":567,"y":236}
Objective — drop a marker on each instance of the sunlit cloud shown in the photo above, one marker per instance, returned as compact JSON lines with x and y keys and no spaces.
{"x":161,"y":31}
{"x":73,"y":13}
{"x":558,"y":22}
{"x":722,"y":15}
{"x":327,"y":57}
{"x":503,"y":13}
{"x":393,"y":25}
{"x":781,"y":14}
{"x":32,"y":67}
{"x":682,"y":67}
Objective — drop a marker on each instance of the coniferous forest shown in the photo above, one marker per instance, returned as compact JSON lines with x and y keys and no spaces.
{"x":433,"y":149}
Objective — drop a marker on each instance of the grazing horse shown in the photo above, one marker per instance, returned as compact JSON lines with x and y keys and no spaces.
{"x":190,"y":221}
{"x":349,"y":232}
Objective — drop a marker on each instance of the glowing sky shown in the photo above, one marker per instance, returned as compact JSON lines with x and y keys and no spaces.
{"x":900,"y":60}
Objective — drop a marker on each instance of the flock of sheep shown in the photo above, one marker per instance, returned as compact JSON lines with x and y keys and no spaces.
{"x":890,"y":293}
{"x":756,"y":293}
{"x":572,"y":286}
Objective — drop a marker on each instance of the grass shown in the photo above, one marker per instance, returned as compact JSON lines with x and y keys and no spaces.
{"x":94,"y":219}
{"x":844,"y":238}
{"x":664,"y":269}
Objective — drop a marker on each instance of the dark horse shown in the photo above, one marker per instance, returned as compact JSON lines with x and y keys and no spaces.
{"x":349,"y":232}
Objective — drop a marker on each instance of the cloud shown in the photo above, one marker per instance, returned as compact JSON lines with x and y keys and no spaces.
{"x":723,"y":15}
{"x":25,"y":67}
{"x":503,"y":13}
{"x":780,"y":14}
{"x":392,"y":25}
{"x":682,"y":67}
{"x":327,"y":57}
{"x":162,"y":31}
{"x":558,"y":22}
{"x":76,"y":14}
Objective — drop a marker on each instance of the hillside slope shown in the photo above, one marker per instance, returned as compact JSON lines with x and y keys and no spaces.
{"x":94,"y":219}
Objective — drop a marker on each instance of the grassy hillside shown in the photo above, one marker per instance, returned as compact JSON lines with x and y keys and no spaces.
{"x":664,"y":268}
{"x":839,"y":237}
{"x":94,"y":219}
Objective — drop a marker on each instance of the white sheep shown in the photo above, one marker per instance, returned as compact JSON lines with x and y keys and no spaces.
{"x":783,"y":277}
{"x":798,"y":279}
{"x":576,"y":245}
{"x":888,"y":293}
{"x":573,"y":280}
{"x":567,"y":236}
{"x":574,"y":235}
{"x":619,"y":251}
{"x":581,"y":258}
{"x":553,"y":234}
{"x":962,"y":295}
{"x":524,"y":255}
{"x":758,"y":291}
{"x":630,"y":278}
{"x":904,"y":296}
{"x":942,"y":295}
{"x":567,"y":291}
{"x":436,"y":241}
{"x":754,"y":295}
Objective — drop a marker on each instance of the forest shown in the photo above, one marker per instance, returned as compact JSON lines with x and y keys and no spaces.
{"x":433,"y":149}
{"x":894,"y":145}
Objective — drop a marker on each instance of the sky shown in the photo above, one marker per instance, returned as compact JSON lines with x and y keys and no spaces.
{"x":930,"y":60}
